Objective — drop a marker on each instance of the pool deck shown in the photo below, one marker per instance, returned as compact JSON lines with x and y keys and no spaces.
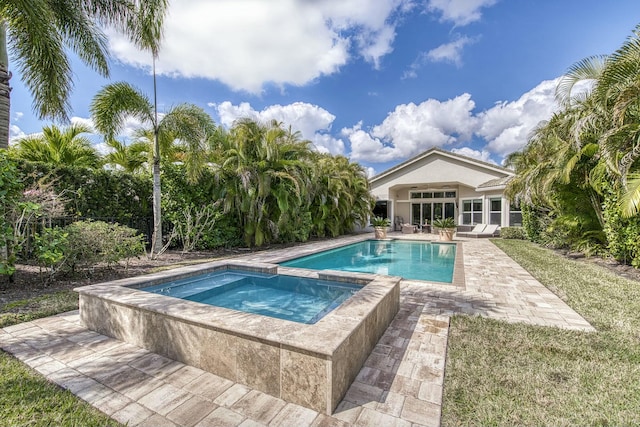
{"x":399,"y":385}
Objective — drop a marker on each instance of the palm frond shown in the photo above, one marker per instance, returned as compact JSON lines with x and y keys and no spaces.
{"x":587,"y":69}
{"x":38,"y":48}
{"x":82,"y":34}
{"x":630,"y":201}
{"x":115,"y":102}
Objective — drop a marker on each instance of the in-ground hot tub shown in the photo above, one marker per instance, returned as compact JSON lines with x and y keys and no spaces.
{"x":312,"y":365}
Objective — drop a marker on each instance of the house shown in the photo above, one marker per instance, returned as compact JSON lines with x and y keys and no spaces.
{"x":441,"y":184}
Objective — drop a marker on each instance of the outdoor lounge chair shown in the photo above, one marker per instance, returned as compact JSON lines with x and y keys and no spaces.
{"x":480,"y":230}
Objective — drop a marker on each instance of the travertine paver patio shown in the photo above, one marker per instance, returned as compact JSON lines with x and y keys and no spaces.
{"x":399,"y":385}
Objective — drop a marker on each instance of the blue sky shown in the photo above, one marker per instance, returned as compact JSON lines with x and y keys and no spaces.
{"x":376,"y":80}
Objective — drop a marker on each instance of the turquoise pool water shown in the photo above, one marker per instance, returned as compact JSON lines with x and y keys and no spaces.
{"x":292,"y":298}
{"x":428,"y":261}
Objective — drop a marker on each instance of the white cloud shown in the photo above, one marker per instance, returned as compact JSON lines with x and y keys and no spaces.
{"x":412,"y":128}
{"x":17,"y":116}
{"x":313,"y":122}
{"x":460,"y":12}
{"x":326,"y":143}
{"x":450,"y":52}
{"x":366,"y":147}
{"x":15,"y":133}
{"x":248,"y":43}
{"x":483,"y":155}
{"x":374,"y":48}
{"x":507,"y":126}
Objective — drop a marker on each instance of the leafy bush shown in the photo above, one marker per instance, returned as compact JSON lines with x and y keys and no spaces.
{"x":10,"y":190}
{"x":295,"y":227}
{"x":513,"y":233}
{"x":182,"y":204}
{"x":51,"y":248}
{"x":623,"y":234}
{"x":91,"y":242}
{"x":532,"y":222}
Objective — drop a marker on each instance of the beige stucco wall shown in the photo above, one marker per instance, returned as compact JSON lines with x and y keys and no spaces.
{"x":439,"y":171}
{"x":434,"y":169}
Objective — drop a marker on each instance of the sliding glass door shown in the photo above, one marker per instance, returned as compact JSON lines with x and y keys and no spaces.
{"x":425,"y":213}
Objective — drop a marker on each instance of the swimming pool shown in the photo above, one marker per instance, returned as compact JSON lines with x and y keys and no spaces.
{"x":298,"y":299}
{"x":429,"y":261}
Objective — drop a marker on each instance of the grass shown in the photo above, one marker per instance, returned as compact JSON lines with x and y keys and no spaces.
{"x":35,"y":308}
{"x":27,"y":399}
{"x":514,"y":374}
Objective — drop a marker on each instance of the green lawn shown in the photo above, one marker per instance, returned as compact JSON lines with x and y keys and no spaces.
{"x":512,"y":374}
{"x":27,"y":399}
{"x":35,"y":308}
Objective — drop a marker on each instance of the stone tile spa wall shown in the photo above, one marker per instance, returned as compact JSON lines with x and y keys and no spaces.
{"x":310,"y":365}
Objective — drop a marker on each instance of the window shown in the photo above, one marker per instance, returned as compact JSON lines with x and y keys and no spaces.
{"x":515,"y":216}
{"x":495,"y":215}
{"x":432,"y":195}
{"x":472,"y":211}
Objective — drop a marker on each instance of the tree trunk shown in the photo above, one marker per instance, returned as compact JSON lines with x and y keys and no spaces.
{"x":156,"y":242}
{"x":5,"y":89}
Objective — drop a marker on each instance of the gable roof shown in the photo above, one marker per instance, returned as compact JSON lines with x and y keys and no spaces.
{"x":498,"y":182}
{"x":445,"y":153}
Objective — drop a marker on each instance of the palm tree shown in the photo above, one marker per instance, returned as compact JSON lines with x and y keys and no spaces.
{"x":263,"y":172}
{"x":39,"y":34}
{"x":613,"y":113}
{"x":186,"y":123}
{"x":57,"y":147}
{"x":130,"y":158}
{"x":341,"y":197}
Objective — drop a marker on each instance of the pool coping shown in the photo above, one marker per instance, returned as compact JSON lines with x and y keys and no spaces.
{"x":284,"y":354}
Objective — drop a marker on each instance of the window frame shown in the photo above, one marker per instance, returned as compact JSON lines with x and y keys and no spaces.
{"x":473,"y":213}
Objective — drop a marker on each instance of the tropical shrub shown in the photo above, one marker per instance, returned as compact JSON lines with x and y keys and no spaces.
{"x":444,"y":223}
{"x":378,"y":221}
{"x":51,"y":248}
{"x":92,"y":242}
{"x":623,"y":234}
{"x":263,"y":174}
{"x":186,"y":205}
{"x":517,"y":233}
{"x":340,"y":196}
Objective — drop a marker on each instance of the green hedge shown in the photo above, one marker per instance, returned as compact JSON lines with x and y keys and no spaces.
{"x":94,"y":193}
